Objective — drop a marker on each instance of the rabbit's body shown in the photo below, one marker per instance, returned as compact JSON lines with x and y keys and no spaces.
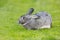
{"x":37,"y":21}
{"x":45,"y":19}
{"x":43,"y":22}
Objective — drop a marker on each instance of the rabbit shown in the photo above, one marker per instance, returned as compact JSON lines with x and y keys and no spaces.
{"x":39,"y":20}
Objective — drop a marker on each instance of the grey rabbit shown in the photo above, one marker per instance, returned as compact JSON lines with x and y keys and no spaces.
{"x":36,"y":21}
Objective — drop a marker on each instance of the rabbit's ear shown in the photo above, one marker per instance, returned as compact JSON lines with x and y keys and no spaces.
{"x":30,"y":11}
{"x":37,"y":18}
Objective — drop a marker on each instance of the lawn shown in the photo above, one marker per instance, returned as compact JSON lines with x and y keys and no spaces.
{"x":11,"y":10}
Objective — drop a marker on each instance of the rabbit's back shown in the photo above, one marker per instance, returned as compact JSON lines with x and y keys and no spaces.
{"x":42,"y":14}
{"x":45,"y":18}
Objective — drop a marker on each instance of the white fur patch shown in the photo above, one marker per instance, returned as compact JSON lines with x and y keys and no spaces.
{"x":33,"y":16}
{"x":25,"y":23}
{"x":46,"y":26}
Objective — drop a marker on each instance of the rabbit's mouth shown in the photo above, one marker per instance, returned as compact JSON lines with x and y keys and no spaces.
{"x":22,"y":23}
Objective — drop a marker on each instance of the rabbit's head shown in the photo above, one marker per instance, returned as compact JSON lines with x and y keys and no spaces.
{"x":23,"y":19}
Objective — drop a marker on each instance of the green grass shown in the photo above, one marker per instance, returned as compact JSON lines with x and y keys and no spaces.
{"x":11,"y":10}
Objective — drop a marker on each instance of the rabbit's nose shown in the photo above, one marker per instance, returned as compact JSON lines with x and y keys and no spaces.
{"x":21,"y":22}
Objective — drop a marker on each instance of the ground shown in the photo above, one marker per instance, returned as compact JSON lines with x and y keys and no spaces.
{"x":11,"y":10}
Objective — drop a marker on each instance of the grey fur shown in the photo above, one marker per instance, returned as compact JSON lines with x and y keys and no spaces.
{"x":36,"y":21}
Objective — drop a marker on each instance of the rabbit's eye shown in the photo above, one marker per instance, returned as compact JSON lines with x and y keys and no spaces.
{"x":23,"y":17}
